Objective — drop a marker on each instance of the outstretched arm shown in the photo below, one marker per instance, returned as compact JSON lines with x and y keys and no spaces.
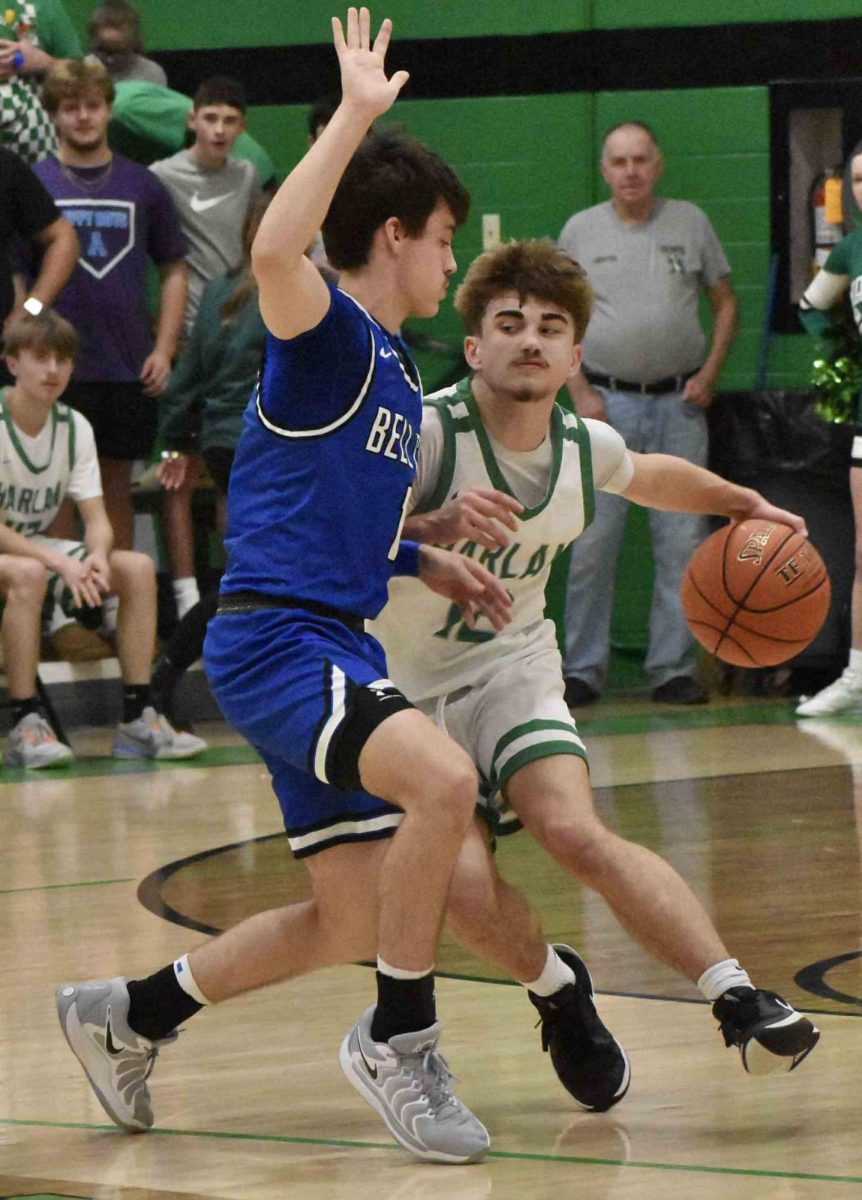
{"x":293,"y":297}
{"x":675,"y":485}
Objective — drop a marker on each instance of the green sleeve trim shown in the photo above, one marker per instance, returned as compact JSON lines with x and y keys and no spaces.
{"x":579,"y":433}
{"x":447,"y":469}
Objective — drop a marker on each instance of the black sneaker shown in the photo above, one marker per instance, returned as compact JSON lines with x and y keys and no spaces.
{"x":682,"y":689}
{"x":590,"y":1064}
{"x":578,"y":692}
{"x":771,"y":1035}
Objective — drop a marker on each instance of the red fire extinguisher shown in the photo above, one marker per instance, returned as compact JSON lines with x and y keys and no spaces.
{"x":827,"y":227}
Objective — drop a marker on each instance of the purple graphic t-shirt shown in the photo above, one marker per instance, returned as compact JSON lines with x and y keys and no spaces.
{"x":123,"y":216}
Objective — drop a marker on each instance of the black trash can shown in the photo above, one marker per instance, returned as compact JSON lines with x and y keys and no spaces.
{"x":774,"y":441}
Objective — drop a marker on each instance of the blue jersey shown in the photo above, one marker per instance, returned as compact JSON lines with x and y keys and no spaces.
{"x":323,"y":468}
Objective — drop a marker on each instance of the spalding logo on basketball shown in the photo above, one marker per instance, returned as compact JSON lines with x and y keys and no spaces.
{"x":755,"y":594}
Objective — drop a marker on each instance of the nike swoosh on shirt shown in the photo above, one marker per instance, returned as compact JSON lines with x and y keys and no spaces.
{"x":200,"y":205}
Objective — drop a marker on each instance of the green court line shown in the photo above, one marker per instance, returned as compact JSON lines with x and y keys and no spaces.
{"x":514,"y":1155}
{"x":87,"y":767}
{"x":52,"y":887}
{"x":708,"y":717}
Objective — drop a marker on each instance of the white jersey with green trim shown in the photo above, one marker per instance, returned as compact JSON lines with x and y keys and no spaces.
{"x":429,"y":648}
{"x":37,"y":473}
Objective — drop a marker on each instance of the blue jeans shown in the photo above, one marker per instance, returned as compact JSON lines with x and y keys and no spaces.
{"x":649,"y":424}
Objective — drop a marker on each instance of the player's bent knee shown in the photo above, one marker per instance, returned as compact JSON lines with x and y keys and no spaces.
{"x":27,"y":579}
{"x":454,"y":786}
{"x":131,"y":567}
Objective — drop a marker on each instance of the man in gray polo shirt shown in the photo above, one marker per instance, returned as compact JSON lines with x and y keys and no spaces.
{"x":647,"y":372}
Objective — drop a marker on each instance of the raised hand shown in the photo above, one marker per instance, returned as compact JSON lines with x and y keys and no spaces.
{"x":481,"y":514}
{"x":363,"y":74}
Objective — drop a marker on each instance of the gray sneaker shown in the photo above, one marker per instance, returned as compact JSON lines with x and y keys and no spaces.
{"x":151,"y":735}
{"x":117,"y":1061}
{"x":33,"y":743}
{"x":408,"y":1083}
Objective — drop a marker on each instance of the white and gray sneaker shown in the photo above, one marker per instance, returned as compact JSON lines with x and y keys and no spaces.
{"x":33,"y":743}
{"x":117,"y":1061}
{"x":409,"y":1084}
{"x":842,"y":696}
{"x":151,"y":735}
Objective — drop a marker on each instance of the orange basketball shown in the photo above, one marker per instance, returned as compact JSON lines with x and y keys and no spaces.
{"x":756,"y":593}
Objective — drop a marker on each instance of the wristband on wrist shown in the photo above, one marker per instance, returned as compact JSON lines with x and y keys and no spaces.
{"x":407,"y":559}
{"x":33,"y":306}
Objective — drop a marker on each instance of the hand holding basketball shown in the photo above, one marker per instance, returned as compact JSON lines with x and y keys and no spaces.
{"x":756,"y":593}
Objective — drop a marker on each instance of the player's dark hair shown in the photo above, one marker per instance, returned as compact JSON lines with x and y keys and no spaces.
{"x":321,"y":113}
{"x":221,"y":89}
{"x":539,"y":269}
{"x":642,"y":125}
{"x":71,"y":78}
{"x":43,"y":334}
{"x":390,"y":175}
{"x":116,"y":14}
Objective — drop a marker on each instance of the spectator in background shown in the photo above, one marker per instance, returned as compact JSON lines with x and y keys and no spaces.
{"x":33,"y":35}
{"x":212,"y":192}
{"x":28,"y":212}
{"x":202,"y":407}
{"x":114,"y":37}
{"x":125,"y":219}
{"x":645,"y":372}
{"x":841,"y":272}
{"x":150,"y":122}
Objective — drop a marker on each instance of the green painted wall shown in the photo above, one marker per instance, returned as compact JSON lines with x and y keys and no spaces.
{"x":631,"y":14}
{"x":220,"y":23}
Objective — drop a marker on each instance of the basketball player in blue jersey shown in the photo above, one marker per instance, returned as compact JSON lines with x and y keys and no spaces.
{"x":319,"y":488}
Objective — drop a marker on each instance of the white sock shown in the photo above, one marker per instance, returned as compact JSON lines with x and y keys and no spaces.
{"x":186,"y":980}
{"x":186,"y":594}
{"x":555,"y":975}
{"x":57,"y":620}
{"x":110,"y":606}
{"x":716,"y":979}
{"x":398,"y":973}
{"x":855,"y":664}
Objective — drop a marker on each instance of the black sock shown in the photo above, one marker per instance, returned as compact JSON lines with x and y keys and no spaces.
{"x":136,"y":697}
{"x":187,"y":641}
{"x":23,"y":708}
{"x":403,"y":1006}
{"x":157,"y":1004}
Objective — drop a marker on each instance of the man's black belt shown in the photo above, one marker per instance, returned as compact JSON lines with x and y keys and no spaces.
{"x":231,"y":603}
{"x":659,"y":387}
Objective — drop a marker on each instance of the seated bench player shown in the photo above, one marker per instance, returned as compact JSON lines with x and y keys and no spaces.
{"x":48,"y":452}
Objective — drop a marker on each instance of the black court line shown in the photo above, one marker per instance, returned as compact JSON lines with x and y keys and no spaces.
{"x":809,"y":978}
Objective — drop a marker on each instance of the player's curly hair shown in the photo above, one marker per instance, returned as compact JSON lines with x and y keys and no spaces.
{"x":390,"y":175}
{"x":536,"y":268}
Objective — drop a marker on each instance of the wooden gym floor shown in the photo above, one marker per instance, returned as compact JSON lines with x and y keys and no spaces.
{"x":116,"y":869}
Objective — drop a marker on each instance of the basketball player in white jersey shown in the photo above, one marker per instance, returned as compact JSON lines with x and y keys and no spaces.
{"x":500,"y":435}
{"x":48,"y":452}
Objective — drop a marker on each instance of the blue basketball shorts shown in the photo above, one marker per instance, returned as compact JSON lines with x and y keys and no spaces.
{"x":307,"y":692}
